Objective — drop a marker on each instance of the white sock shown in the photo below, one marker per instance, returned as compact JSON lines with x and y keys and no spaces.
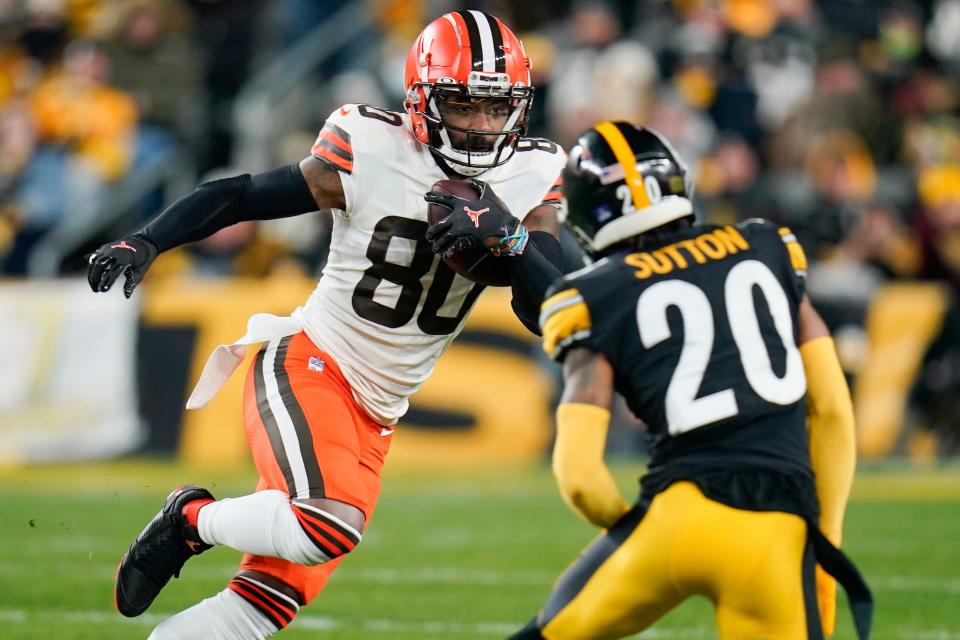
{"x":262,"y":523}
{"x":225,"y":616}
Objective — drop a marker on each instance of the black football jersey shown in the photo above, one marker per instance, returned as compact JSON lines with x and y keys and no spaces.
{"x":701,"y":333}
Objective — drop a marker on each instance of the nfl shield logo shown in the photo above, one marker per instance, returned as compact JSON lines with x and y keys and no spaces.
{"x":315,"y":364}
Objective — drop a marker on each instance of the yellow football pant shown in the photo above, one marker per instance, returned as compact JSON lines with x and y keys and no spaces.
{"x":749,"y":563}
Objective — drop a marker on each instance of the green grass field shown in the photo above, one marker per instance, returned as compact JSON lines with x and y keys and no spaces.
{"x":457,"y":555}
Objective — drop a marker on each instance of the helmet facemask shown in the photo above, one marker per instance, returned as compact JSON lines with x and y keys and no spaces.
{"x":473,"y":151}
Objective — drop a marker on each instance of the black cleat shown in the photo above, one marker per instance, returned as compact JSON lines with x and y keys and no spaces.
{"x":158,"y":553}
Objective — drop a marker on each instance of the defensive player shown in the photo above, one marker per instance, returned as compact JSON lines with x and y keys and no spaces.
{"x":709,"y":336}
{"x":324,"y":393}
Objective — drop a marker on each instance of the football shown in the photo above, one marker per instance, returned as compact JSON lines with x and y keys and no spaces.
{"x":474,"y":264}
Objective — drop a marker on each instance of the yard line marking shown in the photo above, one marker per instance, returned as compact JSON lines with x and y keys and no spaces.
{"x":376,"y":576}
{"x":323,"y":623}
{"x":911,"y":583}
{"x":481,"y":577}
{"x":448,"y":576}
{"x":386,"y":626}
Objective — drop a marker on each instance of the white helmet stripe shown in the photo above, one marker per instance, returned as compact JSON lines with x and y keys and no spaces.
{"x":486,"y":40}
{"x":456,"y":28}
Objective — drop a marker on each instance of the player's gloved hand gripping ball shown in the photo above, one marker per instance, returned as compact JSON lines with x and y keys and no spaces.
{"x":131,"y":256}
{"x":477,"y":219}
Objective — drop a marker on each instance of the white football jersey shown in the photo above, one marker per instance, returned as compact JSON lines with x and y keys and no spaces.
{"x":385,"y":307}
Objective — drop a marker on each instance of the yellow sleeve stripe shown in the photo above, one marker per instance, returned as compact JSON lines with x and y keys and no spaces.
{"x":564,"y":318}
{"x":797,"y":257}
{"x":557,"y":301}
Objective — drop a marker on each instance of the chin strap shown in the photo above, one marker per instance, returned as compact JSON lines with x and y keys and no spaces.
{"x":456,"y":170}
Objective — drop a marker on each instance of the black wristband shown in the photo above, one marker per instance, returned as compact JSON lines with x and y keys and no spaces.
{"x":531,"y":274}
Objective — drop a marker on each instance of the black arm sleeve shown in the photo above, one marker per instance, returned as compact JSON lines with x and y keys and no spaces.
{"x":531,"y":273}
{"x":278,"y":193}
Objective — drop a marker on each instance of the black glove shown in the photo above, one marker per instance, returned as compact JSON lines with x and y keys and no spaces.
{"x":484,"y":223}
{"x":131,"y":256}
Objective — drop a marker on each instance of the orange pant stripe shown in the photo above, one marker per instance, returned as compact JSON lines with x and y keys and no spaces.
{"x":330,"y":449}
{"x":264,"y":602}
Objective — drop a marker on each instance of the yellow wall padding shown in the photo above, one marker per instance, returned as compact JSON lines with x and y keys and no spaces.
{"x":219,"y":310}
{"x":505,"y":393}
{"x":902,"y":321}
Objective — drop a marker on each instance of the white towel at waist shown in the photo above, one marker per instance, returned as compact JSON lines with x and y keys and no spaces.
{"x":261,"y":327}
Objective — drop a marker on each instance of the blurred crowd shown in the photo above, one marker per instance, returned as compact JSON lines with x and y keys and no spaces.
{"x":94,"y":93}
{"x":840,"y":118}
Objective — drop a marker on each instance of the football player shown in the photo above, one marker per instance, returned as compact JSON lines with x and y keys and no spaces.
{"x":323,"y":394}
{"x":708,"y":334}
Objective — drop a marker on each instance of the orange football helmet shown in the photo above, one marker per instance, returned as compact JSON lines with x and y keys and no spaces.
{"x":474,"y":55}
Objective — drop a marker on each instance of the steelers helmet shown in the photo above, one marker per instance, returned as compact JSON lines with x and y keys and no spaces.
{"x":622,"y":180}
